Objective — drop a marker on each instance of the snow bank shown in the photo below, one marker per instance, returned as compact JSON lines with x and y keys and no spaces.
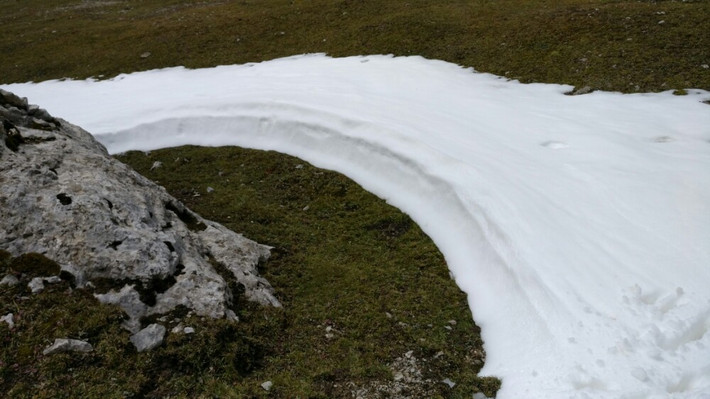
{"x":578,"y":225}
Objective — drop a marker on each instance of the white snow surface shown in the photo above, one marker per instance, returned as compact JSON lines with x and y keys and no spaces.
{"x":579,"y":226}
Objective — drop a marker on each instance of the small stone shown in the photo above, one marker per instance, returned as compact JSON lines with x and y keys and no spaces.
{"x":448,"y":328}
{"x":156,"y":165}
{"x":267,"y":385}
{"x":329,"y":335}
{"x":582,"y":90}
{"x":9,"y":319}
{"x":452,"y":322}
{"x":230,"y":315}
{"x":705,"y":66}
{"x":36,"y":285}
{"x":305,"y":208}
{"x":148,"y":338}
{"x":188,"y":330}
{"x":9,"y":280}
{"x":177,"y":329}
{"x":299,"y":166}
{"x":67,"y":345}
{"x":388,"y":314}
{"x":661,"y":22}
{"x":52,"y":280}
{"x":328,"y":329}
{"x":398,"y":376}
{"x":448,"y":382}
{"x":479,"y":395}
{"x":146,"y":54}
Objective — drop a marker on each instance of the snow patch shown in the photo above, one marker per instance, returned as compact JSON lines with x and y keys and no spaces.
{"x":578,"y":225}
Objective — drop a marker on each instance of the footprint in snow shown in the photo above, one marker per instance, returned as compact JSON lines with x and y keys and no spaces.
{"x":554,"y":145}
{"x":663,"y":139}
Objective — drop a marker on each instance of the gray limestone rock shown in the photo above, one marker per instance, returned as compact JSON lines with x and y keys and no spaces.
{"x":13,"y":100}
{"x":9,"y":319}
{"x":36,"y":285}
{"x":63,"y":196}
{"x":67,"y":345}
{"x":9,"y":280}
{"x":148,"y":338}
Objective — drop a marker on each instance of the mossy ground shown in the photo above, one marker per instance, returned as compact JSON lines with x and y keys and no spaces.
{"x":342,"y":259}
{"x":361,"y":286}
{"x":605,"y":44}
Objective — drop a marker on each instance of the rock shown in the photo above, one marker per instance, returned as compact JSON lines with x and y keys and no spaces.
{"x":9,"y":280}
{"x":36,"y":285}
{"x":13,"y":100}
{"x":582,"y":90}
{"x":156,"y":165}
{"x":129,"y":300}
{"x":479,"y":395}
{"x":177,"y":329}
{"x":63,"y":196}
{"x":448,"y":382}
{"x":148,"y":338}
{"x":230,"y":315}
{"x":67,"y":345}
{"x":188,"y":330}
{"x":9,"y":319}
{"x":267,"y":385}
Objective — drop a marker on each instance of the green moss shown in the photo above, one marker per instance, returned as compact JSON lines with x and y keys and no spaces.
{"x":35,"y":265}
{"x":5,"y":258}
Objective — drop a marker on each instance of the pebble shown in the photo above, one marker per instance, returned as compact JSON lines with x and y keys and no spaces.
{"x":9,"y":280}
{"x":448,"y":382}
{"x":9,"y":319}
{"x":67,"y":345}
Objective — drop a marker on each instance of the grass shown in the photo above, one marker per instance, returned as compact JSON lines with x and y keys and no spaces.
{"x":605,"y":44}
{"x":344,"y":263}
{"x":361,"y":286}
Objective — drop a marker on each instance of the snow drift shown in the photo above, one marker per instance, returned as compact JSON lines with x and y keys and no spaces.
{"x":579,"y":226}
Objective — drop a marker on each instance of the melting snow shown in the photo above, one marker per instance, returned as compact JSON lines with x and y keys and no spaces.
{"x":578,"y":225}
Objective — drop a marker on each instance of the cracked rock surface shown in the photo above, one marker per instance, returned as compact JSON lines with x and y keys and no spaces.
{"x":63,"y":196}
